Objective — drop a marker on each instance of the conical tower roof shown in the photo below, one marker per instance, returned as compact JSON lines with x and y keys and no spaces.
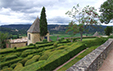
{"x":96,"y":34}
{"x":35,"y":27}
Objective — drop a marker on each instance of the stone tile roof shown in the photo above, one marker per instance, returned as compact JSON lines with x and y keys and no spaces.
{"x":35,"y":26}
{"x":18,"y":40}
{"x":96,"y":34}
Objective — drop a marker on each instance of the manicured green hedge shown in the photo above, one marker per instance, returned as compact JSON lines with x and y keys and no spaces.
{"x":61,"y":47}
{"x":97,"y":41}
{"x":76,"y":59}
{"x":34,"y":66}
{"x":25,"y":59}
{"x":45,"y":55}
{"x":27,"y":52}
{"x":49,"y":47}
{"x":32,"y":60}
{"x":54,"y":61}
{"x":7,"y":50}
{"x":10,"y":57}
{"x":7,"y":69}
{"x":57,"y":58}
{"x":24,"y":48}
{"x":41,"y":42}
{"x":18,"y":67}
{"x":44,"y":45}
{"x":13,"y":65}
{"x":1,"y":58}
{"x":7,"y":63}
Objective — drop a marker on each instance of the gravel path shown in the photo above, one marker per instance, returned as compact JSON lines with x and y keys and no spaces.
{"x":68,"y":61}
{"x":108,"y":63}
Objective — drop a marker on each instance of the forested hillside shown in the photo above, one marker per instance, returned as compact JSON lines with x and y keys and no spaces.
{"x":53,"y":29}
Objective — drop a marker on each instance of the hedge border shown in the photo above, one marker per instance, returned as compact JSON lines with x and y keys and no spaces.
{"x":62,"y":59}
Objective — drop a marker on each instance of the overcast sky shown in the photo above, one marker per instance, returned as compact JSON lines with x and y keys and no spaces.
{"x":26,"y":11}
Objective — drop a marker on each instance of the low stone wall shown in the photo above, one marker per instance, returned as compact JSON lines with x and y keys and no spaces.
{"x":18,"y":44}
{"x":93,"y":60}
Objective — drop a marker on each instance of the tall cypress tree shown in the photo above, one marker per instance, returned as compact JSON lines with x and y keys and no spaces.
{"x":43,"y":23}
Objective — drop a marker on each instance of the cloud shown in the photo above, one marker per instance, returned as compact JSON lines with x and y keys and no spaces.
{"x":26,"y":11}
{"x":59,"y":19}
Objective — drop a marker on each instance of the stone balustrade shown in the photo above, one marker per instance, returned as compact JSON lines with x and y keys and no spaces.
{"x":94,"y":60}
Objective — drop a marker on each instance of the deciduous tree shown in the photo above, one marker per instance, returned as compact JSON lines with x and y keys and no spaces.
{"x":82,"y":17}
{"x":107,"y":12}
{"x":3,"y":40}
{"x":108,"y":30}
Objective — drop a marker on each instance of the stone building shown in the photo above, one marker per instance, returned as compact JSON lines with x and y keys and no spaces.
{"x":17,"y":42}
{"x":33,"y":36}
{"x":33,"y":33}
{"x":96,"y":34}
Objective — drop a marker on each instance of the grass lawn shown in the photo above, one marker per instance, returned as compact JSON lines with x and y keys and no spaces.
{"x":76,"y":59}
{"x":54,"y":37}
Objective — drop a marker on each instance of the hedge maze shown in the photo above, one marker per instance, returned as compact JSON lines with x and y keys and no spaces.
{"x":43,"y":55}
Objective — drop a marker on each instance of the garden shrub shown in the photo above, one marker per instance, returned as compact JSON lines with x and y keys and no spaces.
{"x":2,"y":51}
{"x":31,"y":44}
{"x":40,"y":49}
{"x":111,"y":36}
{"x":34,"y":66}
{"x":45,"y":55}
{"x":44,"y":40}
{"x":55,"y":44}
{"x":57,"y":59}
{"x":27,"y":52}
{"x":25,"y":47}
{"x":18,"y":53}
{"x":41,"y":42}
{"x":74,"y":39}
{"x":7,"y":63}
{"x":13,"y":65}
{"x":15,"y":47}
{"x":62,"y":39}
{"x":101,"y":40}
{"x":50,"y":47}
{"x":67,"y":40}
{"x":46,"y":44}
{"x":7,"y":69}
{"x":32,"y":60}
{"x":25,"y":59}
{"x":10,"y":57}
{"x":34,"y":45}
{"x":61,"y":47}
{"x":1,"y":58}
{"x":59,"y":40}
{"x":18,"y":67}
{"x":97,"y":41}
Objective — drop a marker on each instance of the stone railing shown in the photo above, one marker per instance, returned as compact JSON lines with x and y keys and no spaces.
{"x":93,"y":60}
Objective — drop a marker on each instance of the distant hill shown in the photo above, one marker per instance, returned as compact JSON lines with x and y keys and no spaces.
{"x":53,"y":29}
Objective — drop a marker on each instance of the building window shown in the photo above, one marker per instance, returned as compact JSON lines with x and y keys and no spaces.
{"x":29,"y":36}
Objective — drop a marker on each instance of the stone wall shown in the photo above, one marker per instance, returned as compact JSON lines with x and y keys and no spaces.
{"x":93,"y":60}
{"x":34,"y":37}
{"x":18,"y":44}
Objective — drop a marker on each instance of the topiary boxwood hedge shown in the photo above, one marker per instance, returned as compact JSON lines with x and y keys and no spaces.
{"x":7,"y":69}
{"x":57,"y":58}
{"x":18,"y":67}
{"x":34,"y":66}
{"x":8,"y":63}
{"x":52,"y":64}
{"x":25,"y":59}
{"x":10,"y":57}
{"x":32,"y":60}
